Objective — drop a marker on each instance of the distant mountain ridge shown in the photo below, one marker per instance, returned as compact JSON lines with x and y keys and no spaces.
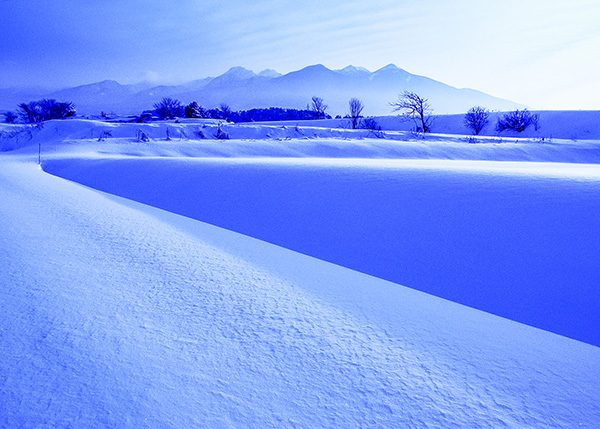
{"x":243,"y":89}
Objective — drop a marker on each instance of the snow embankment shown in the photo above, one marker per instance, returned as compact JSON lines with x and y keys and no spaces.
{"x":197,"y":138}
{"x":120,"y":314}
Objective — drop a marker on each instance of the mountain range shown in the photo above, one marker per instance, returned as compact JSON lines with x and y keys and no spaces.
{"x":243,"y":89}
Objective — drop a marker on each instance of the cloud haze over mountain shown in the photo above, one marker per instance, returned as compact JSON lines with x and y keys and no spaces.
{"x":243,"y":89}
{"x":535,"y":52}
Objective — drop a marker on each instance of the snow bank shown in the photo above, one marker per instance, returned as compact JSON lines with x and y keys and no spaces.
{"x":185,"y":138}
{"x":120,"y":314}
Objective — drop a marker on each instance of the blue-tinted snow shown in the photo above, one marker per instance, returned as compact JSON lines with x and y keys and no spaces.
{"x":120,"y":314}
{"x":520,"y":240}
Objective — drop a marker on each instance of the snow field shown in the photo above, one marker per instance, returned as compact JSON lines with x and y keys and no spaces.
{"x":120,"y":314}
{"x":117,"y":313}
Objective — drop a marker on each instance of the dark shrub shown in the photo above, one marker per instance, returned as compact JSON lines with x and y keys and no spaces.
{"x":145,"y":117}
{"x":517,"y":120}
{"x":169,"y":108}
{"x":44,"y":110}
{"x":10,"y":117}
{"x":194,"y":110}
{"x":370,"y":124}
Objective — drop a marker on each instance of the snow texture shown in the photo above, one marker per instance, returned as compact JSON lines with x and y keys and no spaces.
{"x":508,"y":238}
{"x":120,"y":314}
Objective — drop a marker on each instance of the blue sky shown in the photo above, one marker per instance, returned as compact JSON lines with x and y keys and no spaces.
{"x":540,"y":53}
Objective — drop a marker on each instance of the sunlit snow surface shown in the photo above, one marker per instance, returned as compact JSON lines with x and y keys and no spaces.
{"x":120,"y":314}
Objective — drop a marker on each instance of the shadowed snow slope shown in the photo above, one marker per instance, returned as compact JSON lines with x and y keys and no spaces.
{"x":517,"y":239}
{"x":117,"y":314}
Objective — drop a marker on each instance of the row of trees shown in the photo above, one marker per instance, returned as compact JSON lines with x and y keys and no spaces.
{"x":411,"y":106}
{"x":517,"y":120}
{"x":417,"y":109}
{"x":42,"y":110}
{"x":169,"y":108}
{"x":355,"y":108}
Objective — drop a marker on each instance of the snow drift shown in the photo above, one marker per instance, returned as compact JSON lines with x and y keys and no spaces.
{"x":120,"y":314}
{"x":117,"y":313}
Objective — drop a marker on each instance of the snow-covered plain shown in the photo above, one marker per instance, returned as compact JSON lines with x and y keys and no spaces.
{"x":118,"y":313}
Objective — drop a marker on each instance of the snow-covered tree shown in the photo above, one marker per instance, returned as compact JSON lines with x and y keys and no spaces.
{"x":221,"y":135}
{"x":194,"y":110}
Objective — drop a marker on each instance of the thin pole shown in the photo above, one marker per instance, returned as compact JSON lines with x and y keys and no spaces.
{"x":40,"y":153}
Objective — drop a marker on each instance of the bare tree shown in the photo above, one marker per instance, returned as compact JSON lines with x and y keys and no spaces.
{"x":319,"y":107}
{"x":518,"y":120}
{"x":169,"y":108}
{"x":356,"y":108}
{"x":476,"y":118}
{"x":225,"y":111}
{"x":414,"y":108}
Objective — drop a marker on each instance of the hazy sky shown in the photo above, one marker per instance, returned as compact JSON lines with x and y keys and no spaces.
{"x":543,"y":53}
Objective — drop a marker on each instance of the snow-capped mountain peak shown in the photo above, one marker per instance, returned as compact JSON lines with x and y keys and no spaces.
{"x":269,"y":73}
{"x":352,"y":70}
{"x":238,"y":73}
{"x":243,"y":89}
